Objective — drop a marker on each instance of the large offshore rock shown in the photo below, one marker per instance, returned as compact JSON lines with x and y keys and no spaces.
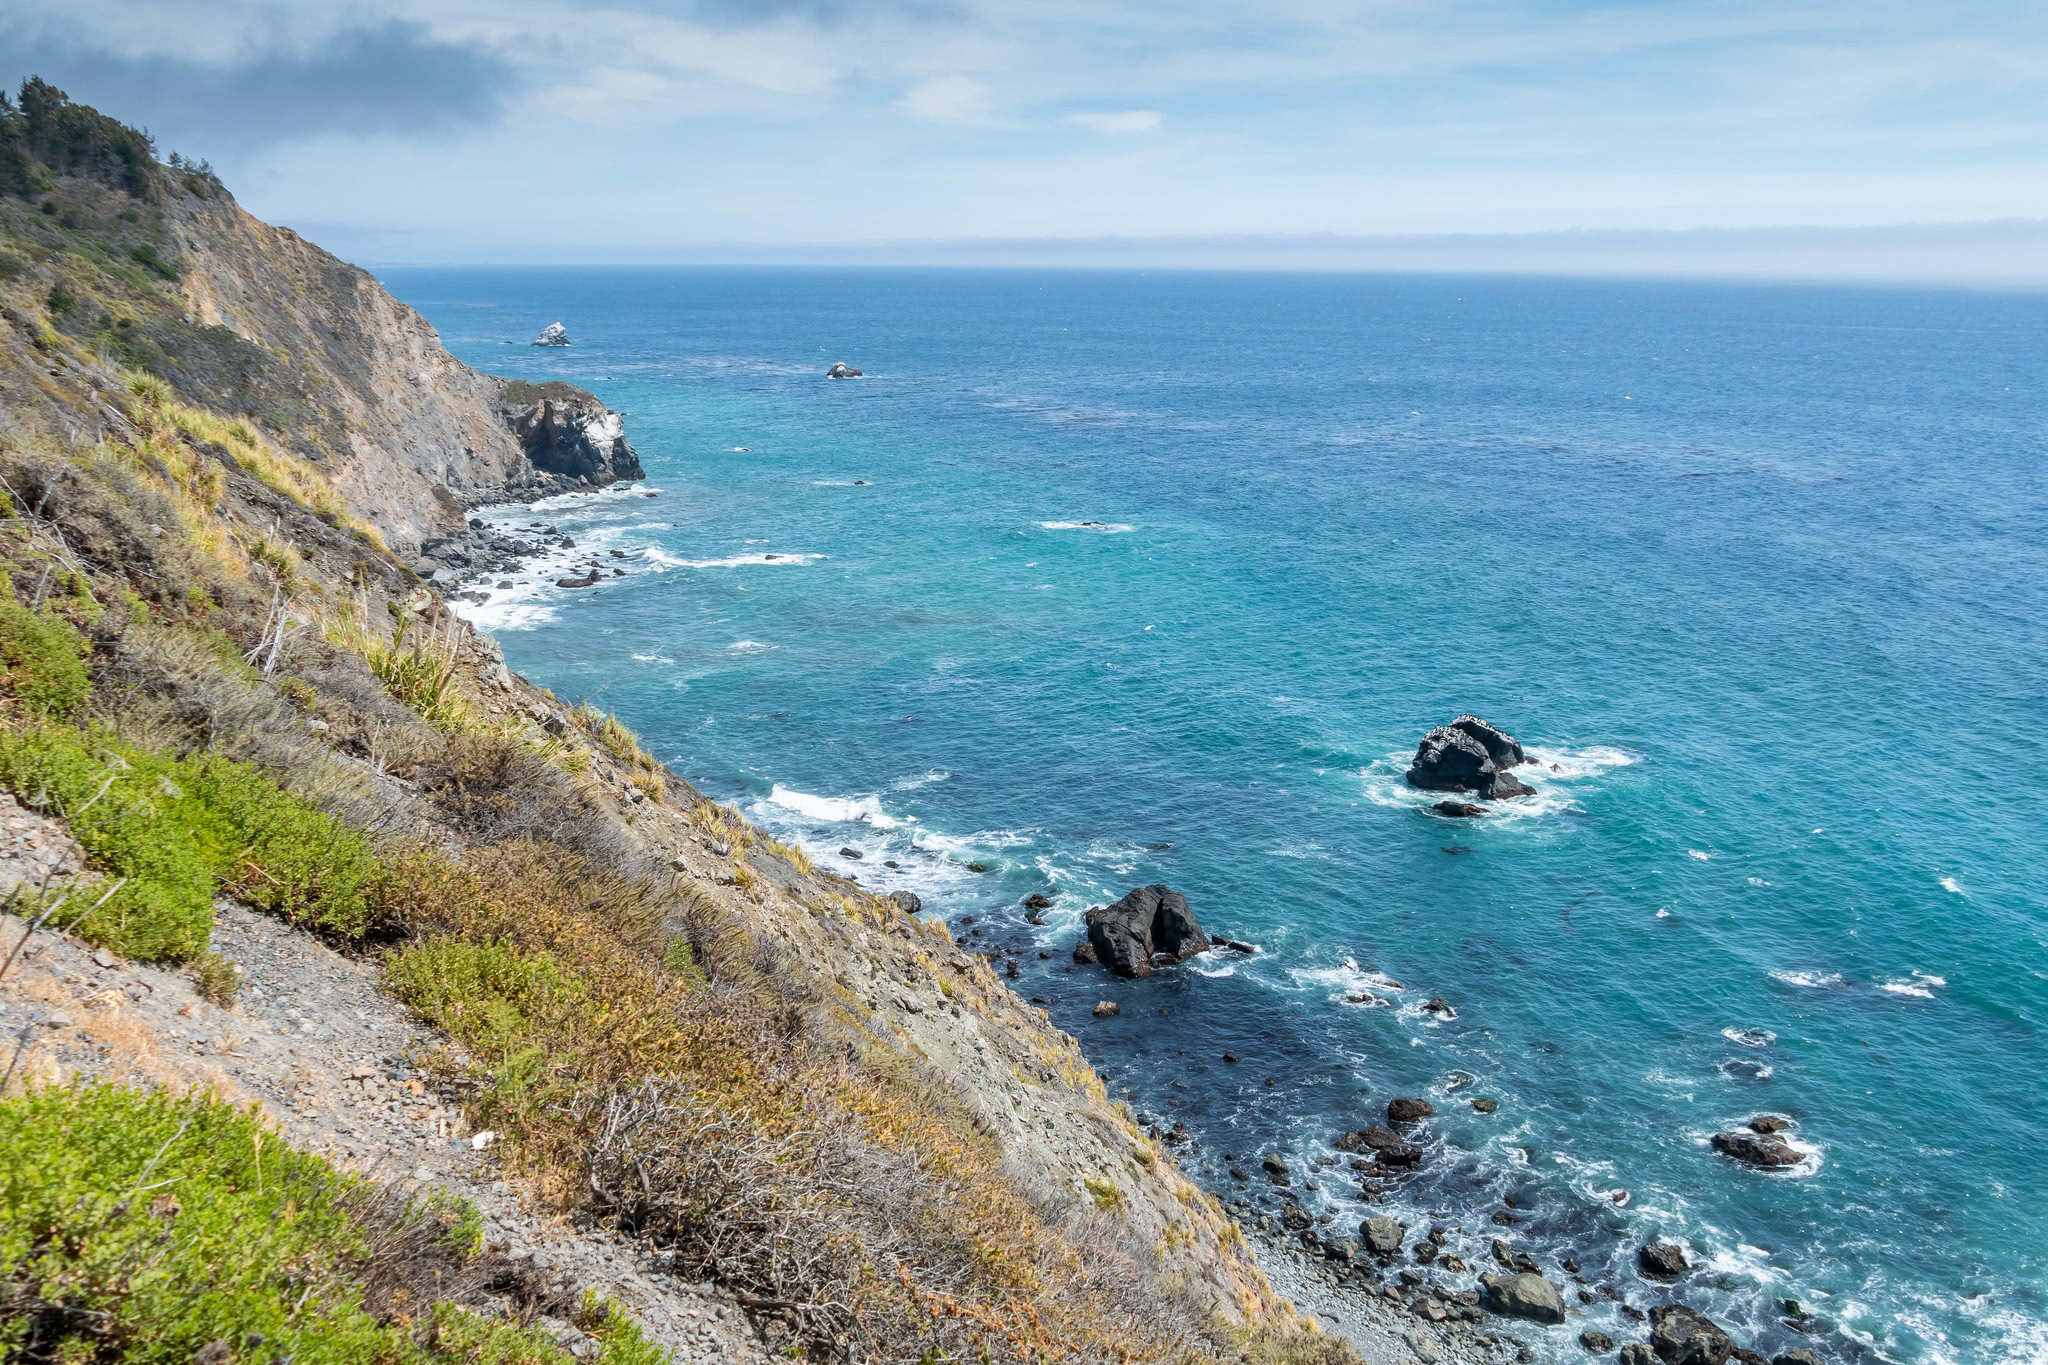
{"x":1152,"y":921}
{"x":1468,"y":755}
{"x":554,"y":334}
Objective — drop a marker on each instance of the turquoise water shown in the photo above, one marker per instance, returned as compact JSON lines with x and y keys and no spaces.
{"x":1763,"y":573}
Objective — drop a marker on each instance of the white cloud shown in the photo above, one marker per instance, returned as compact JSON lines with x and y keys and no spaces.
{"x":949,"y":99}
{"x":1128,"y":121}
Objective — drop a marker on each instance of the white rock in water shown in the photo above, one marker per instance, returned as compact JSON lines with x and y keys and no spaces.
{"x":554,"y":334}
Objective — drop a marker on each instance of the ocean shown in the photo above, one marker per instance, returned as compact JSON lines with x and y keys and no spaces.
{"x":1099,"y":579}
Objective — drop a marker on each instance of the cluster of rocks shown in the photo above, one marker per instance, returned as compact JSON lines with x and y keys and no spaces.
{"x":1468,"y":755}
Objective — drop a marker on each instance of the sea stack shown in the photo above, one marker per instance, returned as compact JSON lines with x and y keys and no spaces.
{"x":1468,"y":755}
{"x":554,"y":334}
{"x":842,"y":371}
{"x":1151,"y":924}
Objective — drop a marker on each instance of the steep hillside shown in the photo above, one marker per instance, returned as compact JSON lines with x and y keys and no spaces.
{"x":159,"y":269}
{"x":733,"y":1082}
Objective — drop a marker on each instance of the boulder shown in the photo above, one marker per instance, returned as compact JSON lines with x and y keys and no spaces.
{"x":842,"y":371}
{"x":907,"y":901}
{"x":554,"y":334}
{"x":1408,"y":1109}
{"x":1485,"y":1106}
{"x":1524,"y":1295}
{"x":1636,"y":1353}
{"x":1767,"y":1150}
{"x":587,"y":582}
{"x":1275,"y":1168}
{"x":1402,"y":1156}
{"x":1681,"y":1336}
{"x":1468,"y":755}
{"x":1660,"y":1261}
{"x":850,"y":852}
{"x":1802,"y":1356}
{"x":1769,"y":1123}
{"x":1459,"y":810}
{"x":1382,"y":1235}
{"x":1084,"y":952}
{"x":1372,"y":1137}
{"x":1038,"y":900}
{"x":1106,"y":1008}
{"x":1599,"y":1343}
{"x":1151,"y":923}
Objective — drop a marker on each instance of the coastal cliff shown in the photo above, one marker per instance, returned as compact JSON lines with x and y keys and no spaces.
{"x":632,"y":1074}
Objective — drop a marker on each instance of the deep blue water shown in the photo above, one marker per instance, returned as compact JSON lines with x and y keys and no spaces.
{"x":1762,"y":571}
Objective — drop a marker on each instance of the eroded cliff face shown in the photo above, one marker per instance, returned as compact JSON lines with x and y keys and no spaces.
{"x":415,"y":436}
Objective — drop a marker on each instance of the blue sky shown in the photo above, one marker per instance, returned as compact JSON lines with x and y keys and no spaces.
{"x":610,"y":129}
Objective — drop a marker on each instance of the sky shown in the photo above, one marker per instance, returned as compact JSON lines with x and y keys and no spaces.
{"x":618,"y":130}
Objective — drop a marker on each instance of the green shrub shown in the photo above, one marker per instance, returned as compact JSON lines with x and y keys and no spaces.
{"x":42,"y":659}
{"x":173,"y":828}
{"x":141,"y":1228}
{"x":12,"y":267}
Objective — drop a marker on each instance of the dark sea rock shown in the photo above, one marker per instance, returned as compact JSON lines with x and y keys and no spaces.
{"x":1038,"y":900}
{"x":1769,"y":1123}
{"x":1485,"y":1106}
{"x":1459,"y":810}
{"x":589,"y":582}
{"x":1468,"y":755}
{"x":1150,"y":922}
{"x":1084,"y":952}
{"x":1660,"y":1261}
{"x":1408,"y":1109}
{"x":1767,"y":1150}
{"x":1801,"y":1356}
{"x":842,"y":370}
{"x":1382,"y":1235}
{"x":1681,"y":1336}
{"x":1275,"y":1168}
{"x":1599,"y":1343}
{"x":1104,"y":1009}
{"x":1523,"y":1295}
{"x":907,"y":901}
{"x":850,"y":852}
{"x":1638,"y":1353}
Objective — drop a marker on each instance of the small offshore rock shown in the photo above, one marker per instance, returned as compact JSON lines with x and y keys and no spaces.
{"x":1468,"y":755}
{"x":1523,"y":1295}
{"x":554,"y":334}
{"x":1485,"y":1106}
{"x":1681,"y":1336}
{"x":1767,"y":1150}
{"x":1382,"y":1235}
{"x":1408,"y":1109}
{"x":1801,"y":1356}
{"x":1105,"y":1008}
{"x":1636,"y":1353}
{"x":1084,"y":952}
{"x":1660,"y":1261}
{"x":1459,"y":810}
{"x":1275,"y":1168}
{"x":1038,"y":900}
{"x":1769,"y":1123}
{"x":850,"y":852}
{"x":1599,"y":1343}
{"x":842,"y":370}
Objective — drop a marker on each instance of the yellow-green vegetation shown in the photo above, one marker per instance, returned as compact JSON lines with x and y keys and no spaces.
{"x":791,"y":854}
{"x":422,"y":676}
{"x":42,"y":658}
{"x":143,"y":1228}
{"x":168,"y":831}
{"x":1106,"y":1195}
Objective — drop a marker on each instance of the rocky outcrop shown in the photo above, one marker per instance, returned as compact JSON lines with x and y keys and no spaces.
{"x":1468,"y":755}
{"x":567,"y":433}
{"x":1524,"y":1296}
{"x":1152,"y":925}
{"x":554,"y":334}
{"x":1408,"y":1109}
{"x":842,"y":370}
{"x":1681,"y":1336}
